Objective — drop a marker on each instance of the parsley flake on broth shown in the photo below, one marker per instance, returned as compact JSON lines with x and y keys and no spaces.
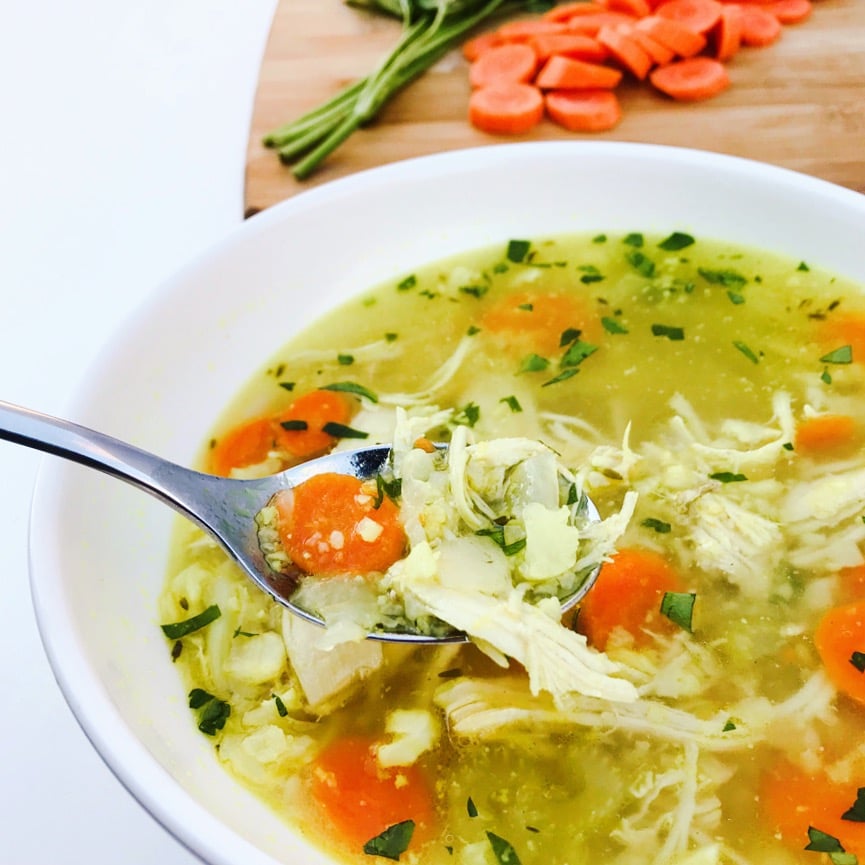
{"x":705,"y":380}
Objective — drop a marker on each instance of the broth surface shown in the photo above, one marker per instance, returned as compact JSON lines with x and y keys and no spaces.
{"x":684,"y":370}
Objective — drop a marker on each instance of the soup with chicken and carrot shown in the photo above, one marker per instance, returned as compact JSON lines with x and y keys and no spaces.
{"x":705,"y":703}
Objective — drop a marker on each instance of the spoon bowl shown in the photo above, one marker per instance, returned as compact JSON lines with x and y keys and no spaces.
{"x":225,"y":508}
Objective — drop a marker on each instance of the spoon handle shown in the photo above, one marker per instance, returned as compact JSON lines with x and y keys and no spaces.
{"x":161,"y":478}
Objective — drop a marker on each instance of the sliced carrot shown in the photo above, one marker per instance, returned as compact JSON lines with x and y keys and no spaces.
{"x":759,"y":27}
{"x":504,"y":63}
{"x":637,"y":8}
{"x":676,"y":36}
{"x":523,"y":29}
{"x":728,"y":31}
{"x":840,"y":642}
{"x":566,"y":11}
{"x":333,"y":524}
{"x":360,"y":800}
{"x":245,"y":445}
{"x":577,"y":45}
{"x":506,"y":109}
{"x":314,"y":410}
{"x":626,"y":51}
{"x":480,"y":44}
{"x":628,"y":595}
{"x":698,"y":15}
{"x":584,"y":110}
{"x":826,"y":433}
{"x":790,"y":11}
{"x":660,"y":54}
{"x":562,"y":73}
{"x":591,"y":24}
{"x":792,"y":801}
{"x":691,"y":79}
{"x":534,"y":322}
{"x":251,"y":442}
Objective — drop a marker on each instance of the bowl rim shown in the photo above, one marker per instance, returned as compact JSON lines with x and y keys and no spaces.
{"x":130,"y":762}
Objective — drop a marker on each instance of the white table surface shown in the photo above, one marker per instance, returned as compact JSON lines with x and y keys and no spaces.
{"x":123,"y":129}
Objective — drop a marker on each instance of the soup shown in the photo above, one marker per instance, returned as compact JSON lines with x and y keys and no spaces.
{"x":716,"y":390}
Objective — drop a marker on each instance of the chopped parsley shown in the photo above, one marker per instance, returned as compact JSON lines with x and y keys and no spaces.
{"x":746,"y":351}
{"x":822,"y":842}
{"x":857,"y":659}
{"x":728,"y":477}
{"x":826,"y":376}
{"x":212,"y":712}
{"x":533,"y":363}
{"x":512,"y":403}
{"x":856,"y":812}
{"x":341,"y":431}
{"x":503,"y":850}
{"x":391,"y":843}
{"x":728,"y":726}
{"x":611,"y":325}
{"x":471,"y":808}
{"x":497,"y":535}
{"x":407,"y":283}
{"x":280,"y":706}
{"x":390,"y":336}
{"x":569,"y":335}
{"x":727,"y":278}
{"x":468,"y":415}
{"x":634,"y":239}
{"x":678,"y":607}
{"x":599,"y":238}
{"x":672,"y":333}
{"x":577,"y":352}
{"x":590,"y":274}
{"x":352,"y":387}
{"x":176,"y":630}
{"x":659,"y":526}
{"x":296,"y":425}
{"x":392,"y":488}
{"x":676,"y":241}
{"x":564,"y":375}
{"x":803,"y":266}
{"x":844,"y":354}
{"x":518,"y":250}
{"x":735,"y":297}
{"x":287,"y":385}
{"x":641,"y":263}
{"x":474,"y":290}
{"x":345,"y":359}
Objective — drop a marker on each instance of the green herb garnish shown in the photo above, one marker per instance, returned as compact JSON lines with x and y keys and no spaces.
{"x":341,"y":431}
{"x":659,"y":526}
{"x":280,"y":706}
{"x":856,"y":812}
{"x":728,"y":477}
{"x":857,"y":659}
{"x":641,"y":263}
{"x":746,"y":351}
{"x":844,"y":354}
{"x":676,"y":241}
{"x":533,"y":363}
{"x":176,"y":630}
{"x":512,"y":403}
{"x":503,"y":850}
{"x":351,"y":387}
{"x":212,"y":712}
{"x":577,"y":352}
{"x":345,"y":359}
{"x":564,"y":375}
{"x":468,"y":415}
{"x":672,"y":333}
{"x":409,"y":282}
{"x":391,"y":843}
{"x":728,"y":726}
{"x":518,"y":250}
{"x":678,"y":607}
{"x":727,"y":278}
{"x":287,"y":385}
{"x":612,"y":325}
{"x":826,"y":376}
{"x":392,"y":488}
{"x":822,"y":842}
{"x":735,"y":297}
{"x":474,"y":290}
{"x":634,"y":239}
{"x":497,"y":535}
{"x":294,"y":425}
{"x":471,"y":808}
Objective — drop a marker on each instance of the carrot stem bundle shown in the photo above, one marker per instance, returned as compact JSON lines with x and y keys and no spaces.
{"x":430,"y":29}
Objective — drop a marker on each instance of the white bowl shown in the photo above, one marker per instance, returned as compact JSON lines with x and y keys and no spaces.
{"x":98,"y":548}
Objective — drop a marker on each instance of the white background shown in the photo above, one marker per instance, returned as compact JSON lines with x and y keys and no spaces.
{"x":123,"y":130}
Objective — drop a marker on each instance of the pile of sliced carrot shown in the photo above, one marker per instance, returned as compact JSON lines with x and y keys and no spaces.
{"x":567,"y":62}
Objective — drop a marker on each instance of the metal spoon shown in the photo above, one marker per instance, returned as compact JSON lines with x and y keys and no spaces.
{"x":225,"y":508}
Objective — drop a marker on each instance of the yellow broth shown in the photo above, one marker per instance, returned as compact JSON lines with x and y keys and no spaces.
{"x":580,"y":341}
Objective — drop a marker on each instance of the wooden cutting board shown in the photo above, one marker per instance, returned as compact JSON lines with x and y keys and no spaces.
{"x":799,"y":103}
